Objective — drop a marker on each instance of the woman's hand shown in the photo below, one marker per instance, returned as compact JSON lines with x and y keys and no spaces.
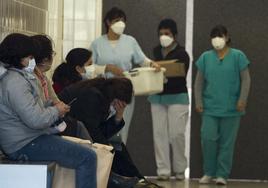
{"x":241,"y":106}
{"x":117,"y":71}
{"x":199,"y":109}
{"x":119,"y":107}
{"x":54,"y":102}
{"x":156,"y":66}
{"x":62,"y":108}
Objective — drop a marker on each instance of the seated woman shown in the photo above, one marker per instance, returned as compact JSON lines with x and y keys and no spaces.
{"x":92,"y":107}
{"x":44,"y":58}
{"x":25,"y":122}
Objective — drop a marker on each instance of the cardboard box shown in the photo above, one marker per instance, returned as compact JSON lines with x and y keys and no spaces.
{"x":173,"y":68}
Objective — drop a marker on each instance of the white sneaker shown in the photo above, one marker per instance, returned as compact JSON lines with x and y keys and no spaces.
{"x":205,"y":179}
{"x":221,"y":181}
{"x":163,"y":177}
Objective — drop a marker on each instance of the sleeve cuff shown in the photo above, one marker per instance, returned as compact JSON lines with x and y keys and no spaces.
{"x":55,"y":112}
{"x":147,"y":62}
{"x":100,"y":69}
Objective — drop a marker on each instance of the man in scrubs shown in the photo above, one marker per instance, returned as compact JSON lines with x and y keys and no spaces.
{"x":221,"y":91}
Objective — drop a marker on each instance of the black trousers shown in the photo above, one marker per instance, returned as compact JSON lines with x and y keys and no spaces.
{"x":123,"y":164}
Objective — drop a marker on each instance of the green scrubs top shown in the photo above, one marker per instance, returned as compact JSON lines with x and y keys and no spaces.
{"x":222,"y":81}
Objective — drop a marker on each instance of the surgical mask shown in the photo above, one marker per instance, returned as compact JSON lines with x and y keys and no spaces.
{"x":31,"y":66}
{"x":218,"y":43}
{"x":90,"y":72}
{"x":118,"y":27}
{"x":166,"y":40}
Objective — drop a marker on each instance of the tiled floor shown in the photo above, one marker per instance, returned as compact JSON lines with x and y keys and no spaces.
{"x":195,"y":184}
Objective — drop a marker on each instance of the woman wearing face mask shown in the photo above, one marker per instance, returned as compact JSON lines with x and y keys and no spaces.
{"x":25,"y":121}
{"x":92,"y":110}
{"x":44,"y":59}
{"x":221,"y":91}
{"x":80,"y":63}
{"x":72,"y":73}
{"x":121,"y":50}
{"x":170,"y":108}
{"x":78,"y":67}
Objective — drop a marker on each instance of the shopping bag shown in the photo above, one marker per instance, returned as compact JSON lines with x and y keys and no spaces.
{"x":65,"y":178}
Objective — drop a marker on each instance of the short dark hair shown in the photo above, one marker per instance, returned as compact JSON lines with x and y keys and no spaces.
{"x":112,"y":88}
{"x":14,"y":47}
{"x":112,"y":14}
{"x":119,"y":88}
{"x":220,"y":31}
{"x":44,"y":46}
{"x":168,"y":24}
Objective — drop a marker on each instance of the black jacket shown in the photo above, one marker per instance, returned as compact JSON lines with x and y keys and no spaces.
{"x":92,"y":108}
{"x":174,"y":85}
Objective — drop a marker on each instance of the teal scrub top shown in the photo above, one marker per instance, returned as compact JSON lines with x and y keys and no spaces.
{"x":126,"y":52}
{"x":221,"y":89}
{"x":169,"y":99}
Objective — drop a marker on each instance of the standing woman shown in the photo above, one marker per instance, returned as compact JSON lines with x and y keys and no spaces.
{"x":121,"y":50}
{"x":170,"y":108}
{"x":221,"y":91}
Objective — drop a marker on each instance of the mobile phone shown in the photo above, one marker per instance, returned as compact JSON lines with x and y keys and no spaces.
{"x":70,"y":103}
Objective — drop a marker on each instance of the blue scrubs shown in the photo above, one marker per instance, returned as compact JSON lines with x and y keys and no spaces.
{"x":126,"y":52}
{"x":220,"y":121}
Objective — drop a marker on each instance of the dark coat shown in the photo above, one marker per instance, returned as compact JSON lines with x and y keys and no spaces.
{"x":92,"y":108}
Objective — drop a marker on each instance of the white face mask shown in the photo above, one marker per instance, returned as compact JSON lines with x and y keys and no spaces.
{"x":218,"y":43}
{"x":90,"y":72}
{"x":166,"y":40}
{"x":118,"y":27}
{"x":31,"y":66}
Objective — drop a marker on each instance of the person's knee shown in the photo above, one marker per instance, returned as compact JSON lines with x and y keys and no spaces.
{"x":91,"y":156}
{"x":87,"y":157}
{"x":177,"y":132}
{"x":209,"y":136}
{"x":180,"y":135}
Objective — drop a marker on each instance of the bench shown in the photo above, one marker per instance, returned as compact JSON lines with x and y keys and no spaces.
{"x":17,"y":174}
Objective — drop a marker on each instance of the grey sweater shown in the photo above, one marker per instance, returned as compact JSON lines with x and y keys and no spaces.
{"x":23,"y":116}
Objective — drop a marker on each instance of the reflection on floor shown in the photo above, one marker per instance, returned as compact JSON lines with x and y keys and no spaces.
{"x":194,"y":184}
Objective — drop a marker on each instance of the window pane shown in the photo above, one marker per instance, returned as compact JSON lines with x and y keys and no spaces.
{"x":68,"y":30}
{"x":68,"y":9}
{"x":84,"y":30}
